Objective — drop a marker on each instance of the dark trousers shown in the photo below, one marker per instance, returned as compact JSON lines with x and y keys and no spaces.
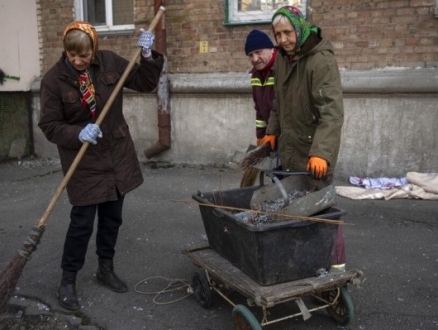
{"x":339,"y":249}
{"x":109,"y":217}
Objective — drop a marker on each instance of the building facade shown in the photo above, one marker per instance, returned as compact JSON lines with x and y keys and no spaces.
{"x":387,"y":52}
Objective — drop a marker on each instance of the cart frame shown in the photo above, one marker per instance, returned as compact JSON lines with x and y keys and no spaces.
{"x":220,"y":275}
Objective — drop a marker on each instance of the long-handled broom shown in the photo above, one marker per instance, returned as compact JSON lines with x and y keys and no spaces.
{"x":13,"y":270}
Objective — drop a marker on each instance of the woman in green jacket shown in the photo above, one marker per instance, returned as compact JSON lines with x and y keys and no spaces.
{"x":308,"y":113}
{"x":306,"y":121}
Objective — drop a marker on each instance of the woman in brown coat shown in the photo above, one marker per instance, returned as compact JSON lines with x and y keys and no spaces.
{"x":73,"y":93}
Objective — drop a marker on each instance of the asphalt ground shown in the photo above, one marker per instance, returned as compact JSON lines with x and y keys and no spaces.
{"x":393,"y":242}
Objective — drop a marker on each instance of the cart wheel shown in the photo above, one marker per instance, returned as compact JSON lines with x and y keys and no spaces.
{"x":202,"y":289}
{"x":342,"y":311}
{"x":244,"y":320}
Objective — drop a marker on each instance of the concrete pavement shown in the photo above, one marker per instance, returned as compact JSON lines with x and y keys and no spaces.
{"x":393,"y":242}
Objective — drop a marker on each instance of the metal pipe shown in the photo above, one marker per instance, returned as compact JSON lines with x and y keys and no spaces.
{"x":164,"y":139}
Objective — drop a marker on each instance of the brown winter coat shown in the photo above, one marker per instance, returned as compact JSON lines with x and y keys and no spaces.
{"x":112,"y":163}
{"x":308,"y":111}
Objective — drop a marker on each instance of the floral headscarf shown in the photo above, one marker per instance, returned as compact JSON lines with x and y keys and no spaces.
{"x":85,"y":82}
{"x":296,"y":18}
{"x":88,"y":29}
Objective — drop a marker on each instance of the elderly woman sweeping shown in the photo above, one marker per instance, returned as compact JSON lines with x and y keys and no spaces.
{"x":73,"y":93}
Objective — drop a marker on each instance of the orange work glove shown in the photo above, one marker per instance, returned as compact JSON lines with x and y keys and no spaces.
{"x":259,"y":142}
{"x":317,"y":167}
{"x":268,"y":139}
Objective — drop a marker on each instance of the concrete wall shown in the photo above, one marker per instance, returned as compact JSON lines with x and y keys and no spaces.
{"x":389,"y":129}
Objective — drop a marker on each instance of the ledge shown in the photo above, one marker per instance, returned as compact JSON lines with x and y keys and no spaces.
{"x":409,"y":81}
{"x":354,"y":82}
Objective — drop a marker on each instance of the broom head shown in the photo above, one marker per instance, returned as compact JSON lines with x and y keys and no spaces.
{"x":13,"y":270}
{"x":255,"y":156}
{"x":249,"y":177}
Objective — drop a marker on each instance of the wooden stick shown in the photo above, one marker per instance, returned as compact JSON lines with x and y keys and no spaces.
{"x":263,"y":212}
{"x":99,"y":120}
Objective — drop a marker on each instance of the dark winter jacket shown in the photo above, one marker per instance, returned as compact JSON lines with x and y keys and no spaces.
{"x":308,"y":112}
{"x":112,"y":163}
{"x":263,"y":95}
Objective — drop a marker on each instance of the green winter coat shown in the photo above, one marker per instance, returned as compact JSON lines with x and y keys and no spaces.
{"x":308,"y":111}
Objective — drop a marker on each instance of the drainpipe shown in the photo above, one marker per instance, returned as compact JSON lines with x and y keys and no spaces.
{"x":163,"y":142}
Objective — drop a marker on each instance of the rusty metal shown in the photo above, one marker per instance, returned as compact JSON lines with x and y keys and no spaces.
{"x":163,"y":104}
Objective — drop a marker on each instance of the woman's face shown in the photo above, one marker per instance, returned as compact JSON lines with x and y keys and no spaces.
{"x":285,"y":35}
{"x":81,"y":60}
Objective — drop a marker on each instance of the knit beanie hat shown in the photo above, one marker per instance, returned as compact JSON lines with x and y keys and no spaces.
{"x":257,"y":40}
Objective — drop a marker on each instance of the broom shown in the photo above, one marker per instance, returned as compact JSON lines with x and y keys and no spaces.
{"x":13,"y":270}
{"x":255,"y":156}
{"x":249,"y":177}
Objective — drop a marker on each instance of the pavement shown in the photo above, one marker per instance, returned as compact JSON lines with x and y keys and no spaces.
{"x":393,"y":242}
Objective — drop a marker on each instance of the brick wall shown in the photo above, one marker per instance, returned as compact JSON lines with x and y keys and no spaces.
{"x":380,"y":33}
{"x":366,"y":34}
{"x":55,"y":15}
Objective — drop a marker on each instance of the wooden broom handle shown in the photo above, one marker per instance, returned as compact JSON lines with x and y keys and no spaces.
{"x":99,"y":120}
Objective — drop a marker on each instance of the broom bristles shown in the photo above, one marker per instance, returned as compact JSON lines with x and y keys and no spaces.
{"x":255,"y":156}
{"x":13,"y":270}
{"x":249,"y":177}
{"x":9,"y":278}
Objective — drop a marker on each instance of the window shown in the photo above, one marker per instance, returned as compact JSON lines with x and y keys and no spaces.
{"x":107,"y":16}
{"x":257,"y":11}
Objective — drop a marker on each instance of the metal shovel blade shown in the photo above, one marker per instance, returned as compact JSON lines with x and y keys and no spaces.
{"x":310,"y":204}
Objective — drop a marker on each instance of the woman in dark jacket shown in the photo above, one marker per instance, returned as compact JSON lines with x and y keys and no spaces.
{"x":73,"y":94}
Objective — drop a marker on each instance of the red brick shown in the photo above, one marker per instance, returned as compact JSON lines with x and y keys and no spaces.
{"x":365,"y":34}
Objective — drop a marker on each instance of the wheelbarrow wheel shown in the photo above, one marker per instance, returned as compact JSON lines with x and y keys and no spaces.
{"x":342,"y":311}
{"x":201,"y":289}
{"x":244,"y":320}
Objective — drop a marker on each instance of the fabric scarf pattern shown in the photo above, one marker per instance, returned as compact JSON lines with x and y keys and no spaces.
{"x":85,"y":85}
{"x":88,"y":29}
{"x":87,"y":90}
{"x":301,"y":27}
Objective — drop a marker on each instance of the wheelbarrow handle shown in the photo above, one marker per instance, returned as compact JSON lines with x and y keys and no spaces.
{"x":285,"y":173}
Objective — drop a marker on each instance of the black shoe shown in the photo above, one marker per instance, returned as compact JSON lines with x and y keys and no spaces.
{"x":67,"y":291}
{"x":105,"y":274}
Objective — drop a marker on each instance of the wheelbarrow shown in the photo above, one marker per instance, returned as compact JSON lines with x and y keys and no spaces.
{"x":256,"y":262}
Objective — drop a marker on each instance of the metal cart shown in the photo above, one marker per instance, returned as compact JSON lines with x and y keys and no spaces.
{"x":220,"y":276}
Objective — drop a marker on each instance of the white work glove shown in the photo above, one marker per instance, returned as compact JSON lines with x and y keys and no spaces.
{"x":90,"y":133}
{"x":146,"y":41}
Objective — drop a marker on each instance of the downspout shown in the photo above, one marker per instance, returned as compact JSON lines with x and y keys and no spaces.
{"x":163,"y":103}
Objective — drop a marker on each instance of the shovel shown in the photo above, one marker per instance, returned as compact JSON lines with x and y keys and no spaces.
{"x":310,"y":204}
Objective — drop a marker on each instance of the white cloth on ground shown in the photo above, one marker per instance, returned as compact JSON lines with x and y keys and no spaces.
{"x":418,"y":186}
{"x":378,"y":183}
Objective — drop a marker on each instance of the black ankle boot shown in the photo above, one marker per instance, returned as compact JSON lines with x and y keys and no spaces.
{"x":105,"y":274}
{"x":67,"y":291}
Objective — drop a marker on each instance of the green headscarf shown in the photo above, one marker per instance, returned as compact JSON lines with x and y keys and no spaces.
{"x":301,"y":27}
